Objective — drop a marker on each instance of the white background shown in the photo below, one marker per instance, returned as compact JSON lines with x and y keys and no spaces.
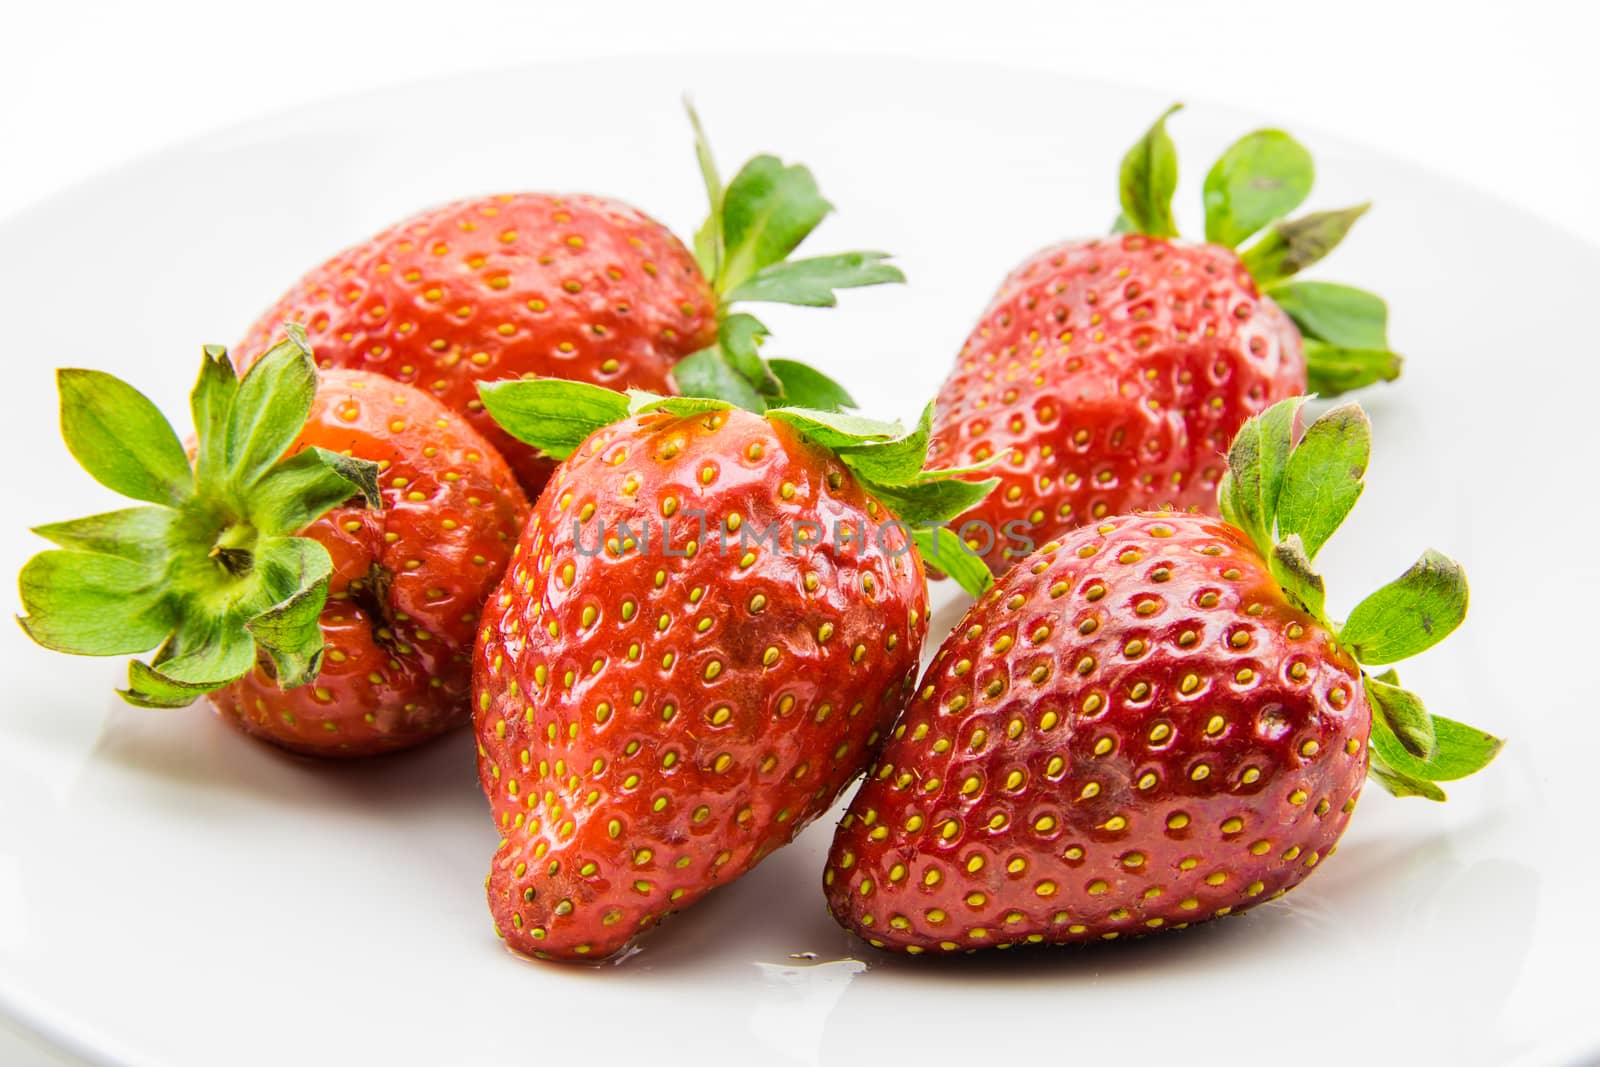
{"x":1501,"y":96}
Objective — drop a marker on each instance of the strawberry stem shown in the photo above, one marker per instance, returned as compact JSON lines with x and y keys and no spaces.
{"x":557,"y":416}
{"x":1252,"y":189}
{"x":212,"y":574}
{"x":1289,"y":496}
{"x":753,"y":225}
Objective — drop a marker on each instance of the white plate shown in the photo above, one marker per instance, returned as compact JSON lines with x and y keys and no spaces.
{"x":171,"y":893}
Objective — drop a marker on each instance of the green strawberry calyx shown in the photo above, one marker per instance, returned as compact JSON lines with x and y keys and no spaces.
{"x":556,"y":416}
{"x":754,"y":223}
{"x":1251,"y":189}
{"x":1288,"y":492}
{"x":208,"y":571}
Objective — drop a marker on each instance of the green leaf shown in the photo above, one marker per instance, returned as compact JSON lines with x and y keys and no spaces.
{"x":933,"y":502}
{"x":301,"y":489}
{"x":740,"y":336}
{"x":551,"y":414}
{"x":121,"y":438}
{"x":295,"y":570}
{"x":1409,"y":615}
{"x":1293,"y":572}
{"x":1120,"y":224}
{"x":1249,"y":492}
{"x":362,"y":474}
{"x":1292,"y":246}
{"x":1277,"y":445}
{"x":138,"y":534}
{"x":1149,"y":178}
{"x":897,"y":461}
{"x":811,"y":282}
{"x":1459,"y":750}
{"x":1240,"y":493}
{"x":707,"y":373}
{"x":1331,"y":370}
{"x":1398,"y":782}
{"x":1402,"y":712}
{"x":1338,"y":314}
{"x":291,"y":636}
{"x":1261,"y":177}
{"x":708,"y":238}
{"x":269,"y":409}
{"x":682,"y":406}
{"x":206,"y":654}
{"x":93,"y":604}
{"x":210,"y":403}
{"x":1322,"y":479}
{"x":806,"y":387}
{"x":208,"y":651}
{"x":286,"y":567}
{"x":837,"y":429}
{"x":940,"y":547}
{"x":149,"y":688}
{"x":767,"y":210}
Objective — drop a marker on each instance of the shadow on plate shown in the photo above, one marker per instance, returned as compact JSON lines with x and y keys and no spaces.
{"x":776,"y":916}
{"x":192,"y":750}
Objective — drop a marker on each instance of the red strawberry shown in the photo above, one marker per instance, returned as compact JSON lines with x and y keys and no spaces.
{"x":539,"y":285}
{"x":327,"y":629}
{"x":502,"y":286}
{"x":1110,"y":374}
{"x":1152,"y":722}
{"x":661,"y":703}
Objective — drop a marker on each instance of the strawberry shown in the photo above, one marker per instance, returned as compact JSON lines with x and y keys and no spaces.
{"x":534,"y":284}
{"x":710,"y":619}
{"x":1110,"y":374}
{"x":1153,"y":721}
{"x":327,"y":628}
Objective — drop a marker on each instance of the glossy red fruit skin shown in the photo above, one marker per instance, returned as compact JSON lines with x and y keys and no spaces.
{"x":621,"y":788}
{"x":408,"y":580}
{"x":1108,"y":775}
{"x":503,"y":287}
{"x":1111,"y":375}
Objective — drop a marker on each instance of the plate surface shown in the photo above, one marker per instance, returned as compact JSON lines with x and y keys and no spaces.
{"x":171,"y":893}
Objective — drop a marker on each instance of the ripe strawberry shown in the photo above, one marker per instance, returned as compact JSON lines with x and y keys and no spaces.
{"x":327,"y":629}
{"x":710,"y":619}
{"x":1152,"y":722}
{"x":540,"y":285}
{"x":1110,"y":374}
